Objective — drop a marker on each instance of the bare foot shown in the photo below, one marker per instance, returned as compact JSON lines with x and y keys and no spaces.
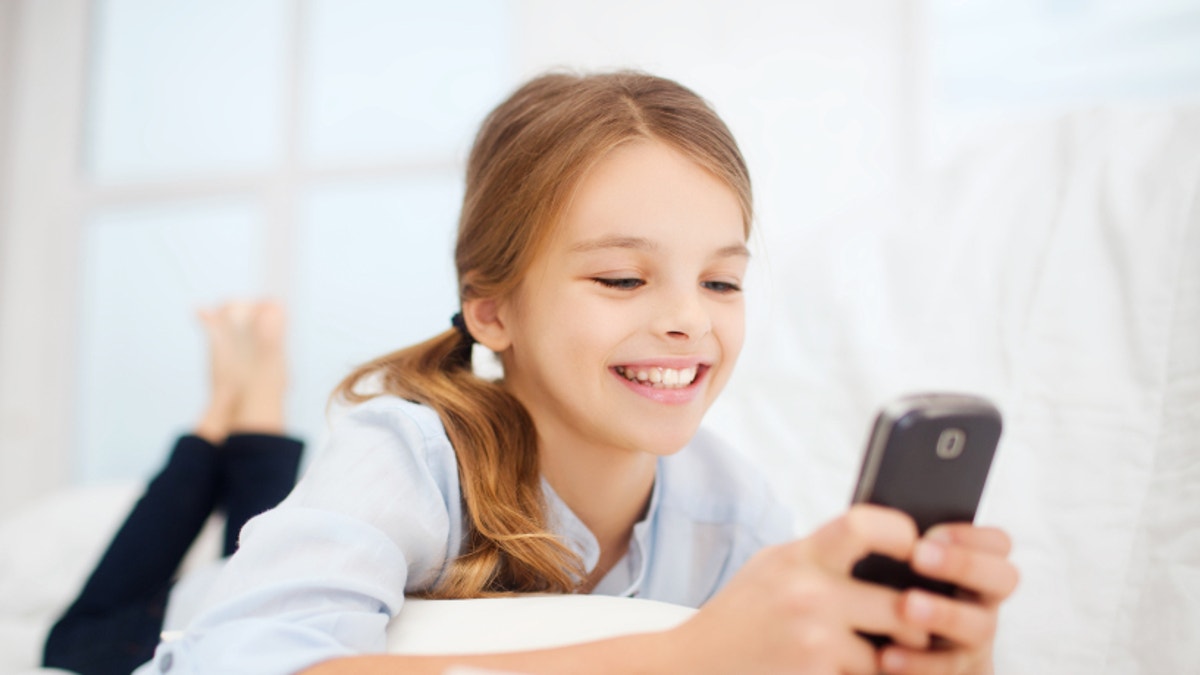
{"x":228,"y":355}
{"x":260,"y":409}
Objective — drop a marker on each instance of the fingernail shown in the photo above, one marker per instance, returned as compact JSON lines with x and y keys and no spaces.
{"x":929,"y":555}
{"x":939,"y":534}
{"x":918,"y":607}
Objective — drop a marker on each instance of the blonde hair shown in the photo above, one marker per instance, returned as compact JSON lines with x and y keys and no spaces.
{"x":528,"y":157}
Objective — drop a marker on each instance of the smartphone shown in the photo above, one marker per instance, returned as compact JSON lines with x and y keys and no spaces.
{"x":929,"y":456}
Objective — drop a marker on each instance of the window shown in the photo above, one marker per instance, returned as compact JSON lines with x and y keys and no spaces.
{"x":310,"y":151}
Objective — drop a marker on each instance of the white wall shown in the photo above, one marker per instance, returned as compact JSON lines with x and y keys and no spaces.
{"x":819,"y":96}
{"x":38,"y":221}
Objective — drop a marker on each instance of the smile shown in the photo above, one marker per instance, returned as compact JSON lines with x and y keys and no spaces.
{"x":658,"y":377}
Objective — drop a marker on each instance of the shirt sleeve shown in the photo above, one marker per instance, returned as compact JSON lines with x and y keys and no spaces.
{"x":320,"y":576}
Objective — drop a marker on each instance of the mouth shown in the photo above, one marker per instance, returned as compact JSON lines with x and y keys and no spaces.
{"x":662,"y":377}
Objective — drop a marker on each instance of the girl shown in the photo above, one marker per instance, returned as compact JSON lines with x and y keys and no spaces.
{"x":601,"y":253}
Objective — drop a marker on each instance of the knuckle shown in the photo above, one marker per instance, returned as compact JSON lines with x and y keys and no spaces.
{"x":936,"y":612}
{"x":856,"y":524}
{"x":805,"y":595}
{"x":790,"y":556}
{"x":843,"y":526}
{"x":812,"y":637}
{"x":855,"y":533}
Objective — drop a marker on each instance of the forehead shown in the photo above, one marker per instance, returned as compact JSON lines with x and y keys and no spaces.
{"x":647,"y":190}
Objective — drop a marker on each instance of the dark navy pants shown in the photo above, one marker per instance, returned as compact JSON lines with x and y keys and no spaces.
{"x":114,"y":624}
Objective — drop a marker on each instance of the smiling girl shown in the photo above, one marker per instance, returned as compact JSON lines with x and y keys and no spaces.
{"x":601,"y":254}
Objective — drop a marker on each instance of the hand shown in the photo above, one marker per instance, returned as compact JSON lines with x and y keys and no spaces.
{"x":795,"y":608}
{"x":976,"y":560}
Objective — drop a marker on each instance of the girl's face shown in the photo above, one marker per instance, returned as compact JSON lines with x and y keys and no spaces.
{"x":629,"y":323}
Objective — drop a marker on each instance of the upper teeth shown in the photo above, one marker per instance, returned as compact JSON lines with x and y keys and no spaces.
{"x":659,"y":377}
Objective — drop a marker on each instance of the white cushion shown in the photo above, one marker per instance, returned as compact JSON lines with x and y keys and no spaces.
{"x":531,"y":622}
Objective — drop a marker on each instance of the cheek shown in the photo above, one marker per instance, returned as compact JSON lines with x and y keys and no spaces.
{"x":574,"y":325}
{"x":730,"y":325}
{"x":596,"y":327}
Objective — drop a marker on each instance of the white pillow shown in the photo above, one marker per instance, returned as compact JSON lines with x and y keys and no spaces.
{"x":529,"y":622}
{"x":50,"y":547}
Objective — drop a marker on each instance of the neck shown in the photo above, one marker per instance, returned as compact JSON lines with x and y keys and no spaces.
{"x":607,"y":489}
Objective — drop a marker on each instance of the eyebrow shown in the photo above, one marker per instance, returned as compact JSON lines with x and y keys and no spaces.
{"x":643,"y":244}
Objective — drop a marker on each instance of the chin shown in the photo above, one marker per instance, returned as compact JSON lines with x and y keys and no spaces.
{"x":668,"y":443}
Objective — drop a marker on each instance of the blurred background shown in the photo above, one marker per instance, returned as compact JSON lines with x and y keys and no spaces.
{"x":160,"y":156}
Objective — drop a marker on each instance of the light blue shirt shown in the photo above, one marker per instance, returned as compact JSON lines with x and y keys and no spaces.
{"x":379,"y":515}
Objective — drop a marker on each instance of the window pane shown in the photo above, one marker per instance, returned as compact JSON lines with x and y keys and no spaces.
{"x":143,"y":360}
{"x":375,"y":272}
{"x":185,"y":87}
{"x":406,"y":81}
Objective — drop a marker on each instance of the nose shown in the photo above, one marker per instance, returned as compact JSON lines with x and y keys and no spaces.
{"x":683,"y":315}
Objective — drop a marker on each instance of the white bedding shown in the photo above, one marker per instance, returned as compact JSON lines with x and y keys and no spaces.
{"x":49,"y":548}
{"x":1054,"y":268}
{"x":38,"y":581}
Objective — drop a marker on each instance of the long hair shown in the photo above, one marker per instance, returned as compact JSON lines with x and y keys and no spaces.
{"x":528,"y":157}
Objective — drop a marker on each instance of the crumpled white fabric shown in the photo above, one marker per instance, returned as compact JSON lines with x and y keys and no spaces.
{"x":1055,"y":268}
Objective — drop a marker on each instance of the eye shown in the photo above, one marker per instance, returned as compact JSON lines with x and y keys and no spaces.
{"x":624,"y":284}
{"x":722,"y":286}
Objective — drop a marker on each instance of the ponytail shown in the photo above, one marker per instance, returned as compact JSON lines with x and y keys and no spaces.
{"x":509,"y":548}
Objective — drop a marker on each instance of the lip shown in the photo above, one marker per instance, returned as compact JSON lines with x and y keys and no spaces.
{"x":674,"y":396}
{"x":676,"y":362}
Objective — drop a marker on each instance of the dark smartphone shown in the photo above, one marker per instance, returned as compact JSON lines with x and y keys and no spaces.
{"x":929,"y":456}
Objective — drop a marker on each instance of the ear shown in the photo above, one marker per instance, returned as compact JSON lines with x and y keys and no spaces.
{"x":486,"y":321}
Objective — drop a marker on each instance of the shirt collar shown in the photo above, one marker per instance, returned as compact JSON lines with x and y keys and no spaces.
{"x":627,"y":575}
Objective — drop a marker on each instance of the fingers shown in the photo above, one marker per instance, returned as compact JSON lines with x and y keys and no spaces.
{"x":864,"y":529}
{"x":962,"y":623}
{"x":857,"y":655}
{"x":876,"y":609}
{"x":835,"y":548}
{"x":828,"y":650}
{"x":901,"y":661}
{"x":831,"y":601}
{"x":986,"y":539}
{"x":977,"y":566}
